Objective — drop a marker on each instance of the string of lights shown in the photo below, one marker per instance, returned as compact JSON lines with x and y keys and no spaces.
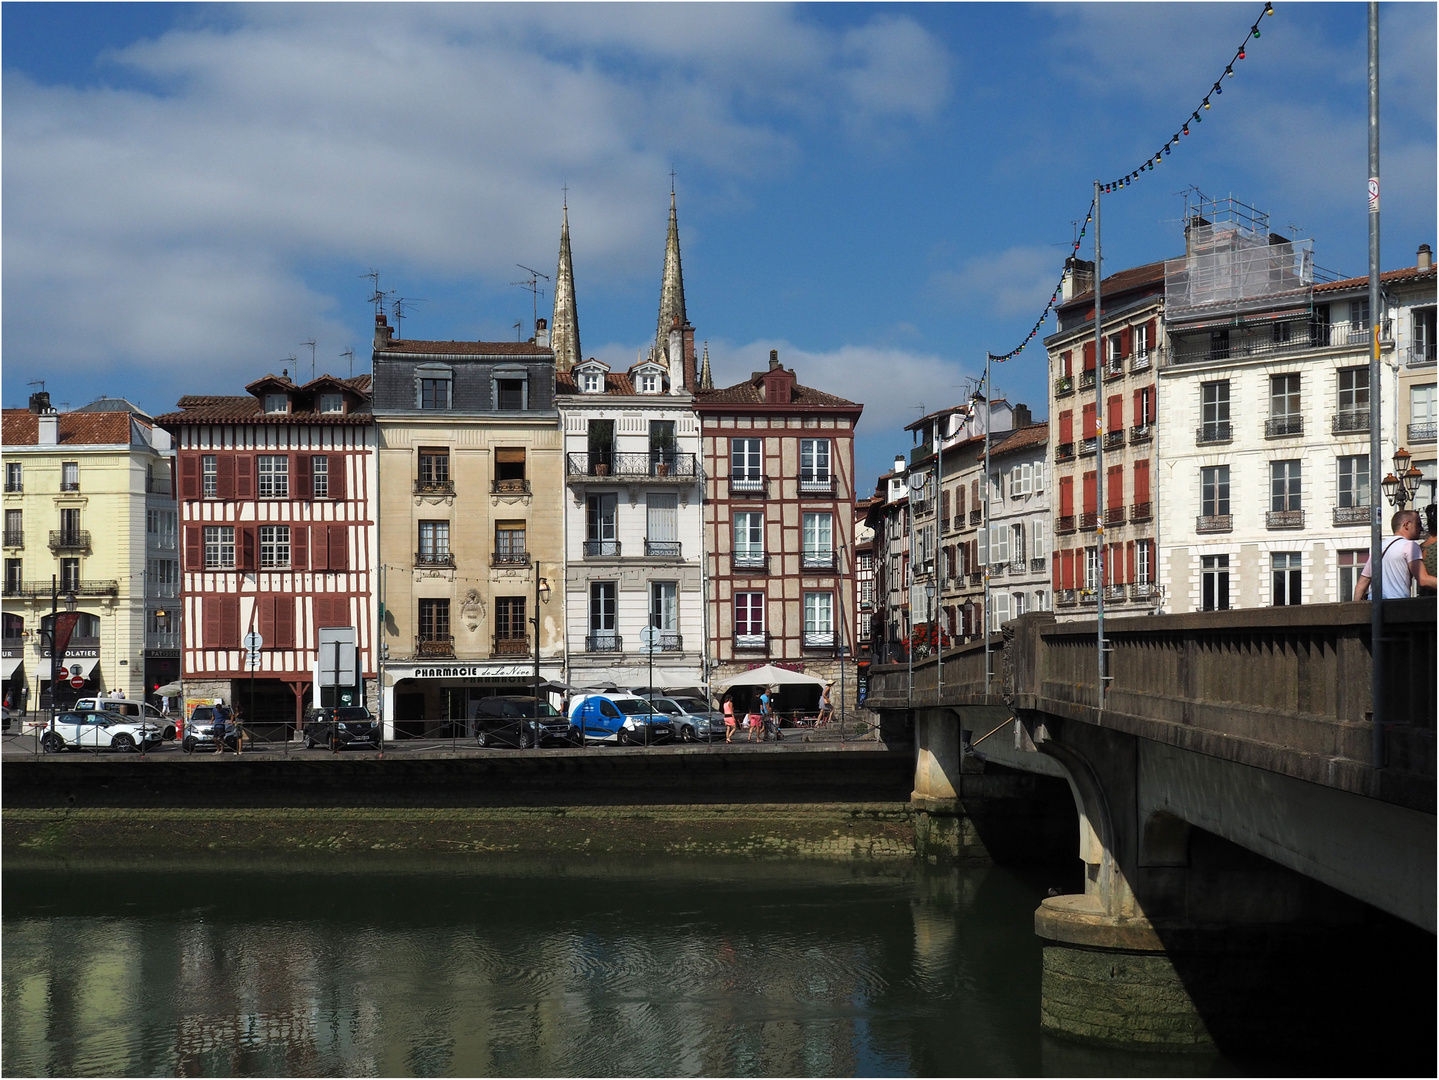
{"x":1129,"y":179}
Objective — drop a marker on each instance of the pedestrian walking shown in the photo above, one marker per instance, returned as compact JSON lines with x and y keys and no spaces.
{"x":1401,"y":560}
{"x":729,"y":718}
{"x":826,"y":707}
{"x":767,"y":716}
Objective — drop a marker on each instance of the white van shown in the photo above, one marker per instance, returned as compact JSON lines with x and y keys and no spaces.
{"x":135,"y":710}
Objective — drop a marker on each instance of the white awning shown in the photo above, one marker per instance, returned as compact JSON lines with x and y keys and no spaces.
{"x":86,"y":664}
{"x":8,"y":665}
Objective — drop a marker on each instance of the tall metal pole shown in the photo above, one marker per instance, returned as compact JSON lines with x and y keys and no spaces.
{"x":1376,"y":535}
{"x":536,"y":621}
{"x":909,"y":510}
{"x":1099,"y":452}
{"x":988,"y":538}
{"x":938,"y":566}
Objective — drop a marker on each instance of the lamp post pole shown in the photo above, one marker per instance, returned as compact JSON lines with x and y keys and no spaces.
{"x":1376,"y":537}
{"x":1099,"y":507}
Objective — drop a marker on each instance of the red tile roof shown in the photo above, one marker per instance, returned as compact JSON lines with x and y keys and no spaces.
{"x":615,"y":383}
{"x":21,"y":427}
{"x":1135,"y":277}
{"x":466,"y":348}
{"x":1033,"y":435}
{"x":1387,"y":277}
{"x":748,"y":393}
{"x":247,"y":409}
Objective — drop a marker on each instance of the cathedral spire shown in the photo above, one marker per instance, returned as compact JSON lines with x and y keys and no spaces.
{"x":672,"y":290}
{"x":565,"y":327}
{"x":706,"y":382}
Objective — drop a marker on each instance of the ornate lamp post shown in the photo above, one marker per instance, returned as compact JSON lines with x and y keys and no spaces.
{"x":1402,"y":484}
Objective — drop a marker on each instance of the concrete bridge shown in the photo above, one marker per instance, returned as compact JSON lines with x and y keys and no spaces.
{"x":1222,"y":736}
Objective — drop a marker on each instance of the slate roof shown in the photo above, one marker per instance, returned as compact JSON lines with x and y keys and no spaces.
{"x":1387,"y":277}
{"x":248,"y":409}
{"x":21,"y":427}
{"x":748,"y":393}
{"x":465,"y":348}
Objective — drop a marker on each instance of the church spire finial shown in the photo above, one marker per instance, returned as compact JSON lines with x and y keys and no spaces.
{"x":706,"y":381}
{"x":565,"y":327}
{"x":672,"y":287}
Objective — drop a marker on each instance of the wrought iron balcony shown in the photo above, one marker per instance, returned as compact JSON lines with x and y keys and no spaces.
{"x":1066,"y":597}
{"x":997,"y":569}
{"x":1301,"y":337}
{"x":976,"y":577}
{"x":976,"y":517}
{"x":434,"y":559}
{"x":1064,"y":524}
{"x":427,"y":645}
{"x":1143,"y":590}
{"x":1284,"y":519}
{"x":1037,"y":566}
{"x":606,"y":641}
{"x":1064,"y":386}
{"x":751,"y":642}
{"x":1088,"y":446}
{"x":1141,"y":433}
{"x":1420,"y":355}
{"x":1351,"y":421}
{"x":1214,"y":523}
{"x":1089,"y":521}
{"x":434,"y":487}
{"x":1140,"y":511}
{"x":1421,"y":432}
{"x":14,"y":486}
{"x":510,"y":487}
{"x":1113,"y":515}
{"x":1115,"y":594}
{"x":652,"y":465}
{"x":1113,"y":368}
{"x":510,"y":645}
{"x":1277,"y":427}
{"x":65,"y":586}
{"x":602,"y":549}
{"x":1086,"y":379}
{"x":509,"y":558}
{"x":817,"y":560}
{"x":1113,"y":440}
{"x":666,"y":549}
{"x":1353,"y":515}
{"x":1018,"y":566}
{"x":755,"y":487}
{"x":1064,"y":451}
{"x":1215,"y":432}
{"x":1141,"y":361}
{"x":15,"y":539}
{"x":816,"y":483}
{"x":749,"y":562}
{"x":69,"y":540}
{"x":69,"y":485}
{"x":817,"y":639}
{"x":667,"y":641}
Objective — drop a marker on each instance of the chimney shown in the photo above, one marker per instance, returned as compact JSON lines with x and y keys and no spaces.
{"x":382,"y":331}
{"x":542,"y":333}
{"x":675,"y":355}
{"x":40,"y":402}
{"x":1021,"y":416}
{"x":899,"y":463}
{"x":1193,"y":225}
{"x":773,"y":359}
{"x":1078,"y":278}
{"x":49,"y":428}
{"x":1425,"y":258}
{"x":691,"y":377}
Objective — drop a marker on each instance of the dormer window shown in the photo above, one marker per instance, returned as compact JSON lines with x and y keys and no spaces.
{"x":592,"y":382}
{"x":277,"y":403}
{"x":649,"y":383}
{"x":332,"y":403}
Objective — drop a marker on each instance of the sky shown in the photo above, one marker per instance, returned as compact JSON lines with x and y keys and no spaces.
{"x":881,"y":192}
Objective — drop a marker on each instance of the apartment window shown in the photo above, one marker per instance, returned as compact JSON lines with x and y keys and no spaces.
{"x":1112,"y":350}
{"x":662,"y":535}
{"x":510,"y":542}
{"x":745,"y":462}
{"x":1214,"y":411}
{"x":434,"y":386}
{"x":1284,"y":415}
{"x":1350,"y":564}
{"x":1141,"y":340}
{"x":999,"y":544}
{"x":593,"y":382}
{"x":866,"y":590}
{"x":1285,"y":572}
{"x":510,"y":469}
{"x":1143,"y":560}
{"x":219,"y":547}
{"x":1283,"y":485}
{"x":1016,"y":535}
{"x":509,"y":619}
{"x":14,"y":575}
{"x":14,"y":528}
{"x":818,"y":539}
{"x":1021,"y":480}
{"x":649,"y":383}
{"x":160,"y":528}
{"x":602,"y":614}
{"x":510,"y":393}
{"x":1214,"y":485}
{"x":70,"y":524}
{"x":1091,"y":568}
{"x":434,"y":542}
{"x":749,"y":536}
{"x":277,"y":403}
{"x":819,"y":618}
{"x":209,"y":476}
{"x":664,"y":606}
{"x":999,"y":614}
{"x":1354,"y":481}
{"x":1041,"y":601}
{"x":1359,"y":314}
{"x":1214,"y":582}
{"x":749,"y":618}
{"x":320,"y":477}
{"x":69,"y":476}
{"x":274,"y":476}
{"x":434,"y":468}
{"x":164,"y":578}
{"x":600,"y":523}
{"x":814,"y":463}
{"x":69,"y":575}
{"x":1421,"y":412}
{"x":14,"y":476}
{"x":1424,"y":337}
{"x":332,"y":403}
{"x":1354,"y":393}
{"x":274,"y":546}
{"x":434,"y":620}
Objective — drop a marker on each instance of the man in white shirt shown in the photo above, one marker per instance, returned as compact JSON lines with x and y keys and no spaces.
{"x":1402,"y":560}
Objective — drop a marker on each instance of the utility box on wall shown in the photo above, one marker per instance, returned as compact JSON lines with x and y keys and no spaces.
{"x":339,"y":672}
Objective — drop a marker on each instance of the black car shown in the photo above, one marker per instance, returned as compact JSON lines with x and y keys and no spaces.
{"x":518,"y":721}
{"x":339,"y":727}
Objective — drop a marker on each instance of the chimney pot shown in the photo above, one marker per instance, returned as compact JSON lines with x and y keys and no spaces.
{"x":773,"y":359}
{"x":542,"y":333}
{"x":49,"y":428}
{"x":40,"y":402}
{"x":1425,"y":260}
{"x":899,"y":463}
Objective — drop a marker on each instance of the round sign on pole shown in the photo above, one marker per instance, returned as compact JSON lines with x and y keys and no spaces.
{"x":77,"y":682}
{"x":649,"y":638}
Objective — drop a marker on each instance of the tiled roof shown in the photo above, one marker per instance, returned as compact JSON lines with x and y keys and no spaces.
{"x":247,"y":409}
{"x":1133,"y":278}
{"x":466,"y":348}
{"x":1387,"y":277}
{"x":748,"y":393}
{"x":615,"y":383}
{"x":21,"y":427}
{"x":1033,"y":435}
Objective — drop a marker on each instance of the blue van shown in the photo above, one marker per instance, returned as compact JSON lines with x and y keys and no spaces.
{"x":619,"y":718}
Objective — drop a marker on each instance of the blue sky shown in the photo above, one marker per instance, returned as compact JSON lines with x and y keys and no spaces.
{"x":880,"y":192}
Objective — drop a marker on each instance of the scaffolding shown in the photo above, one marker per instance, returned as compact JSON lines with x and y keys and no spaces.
{"x":1233,"y":265}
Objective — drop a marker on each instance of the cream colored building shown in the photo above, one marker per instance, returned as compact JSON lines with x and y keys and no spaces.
{"x":471,"y":525}
{"x":90,"y":519}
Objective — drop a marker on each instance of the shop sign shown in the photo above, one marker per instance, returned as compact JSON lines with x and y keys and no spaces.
{"x":469,"y":671}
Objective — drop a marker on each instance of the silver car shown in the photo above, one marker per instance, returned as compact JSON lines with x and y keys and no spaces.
{"x":693,"y":720}
{"x":98,"y":731}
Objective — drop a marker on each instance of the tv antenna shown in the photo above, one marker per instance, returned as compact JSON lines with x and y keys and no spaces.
{"x":518,"y":324}
{"x":399,"y":309}
{"x":376,"y":296}
{"x":349,"y":354}
{"x":311,"y":343}
{"x":533,"y":284}
{"x":285,"y":372}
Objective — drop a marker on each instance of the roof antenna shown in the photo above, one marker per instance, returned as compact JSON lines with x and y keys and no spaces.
{"x":285,"y":372}
{"x":533,"y":284}
{"x":518,"y":323}
{"x":350,"y":355}
{"x":311,"y":343}
{"x":376,"y":296}
{"x":400,"y":302}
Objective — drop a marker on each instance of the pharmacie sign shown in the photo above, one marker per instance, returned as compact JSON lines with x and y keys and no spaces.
{"x":463,"y":671}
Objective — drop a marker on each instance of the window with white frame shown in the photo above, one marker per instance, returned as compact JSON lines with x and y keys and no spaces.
{"x":746,"y":463}
{"x":593,"y":382}
{"x":1214,"y":490}
{"x":274,"y":546}
{"x":219,"y":547}
{"x":999,"y":611}
{"x":1016,"y":541}
{"x":69,"y":476}
{"x":1018,"y":603}
{"x":209,"y":476}
{"x":819,"y":618}
{"x":1091,"y":568}
{"x":664,"y":610}
{"x":1286,"y":572}
{"x":274,"y":472}
{"x":320,"y":477}
{"x":1214,"y":582}
{"x":1141,"y":340}
{"x":1021,"y":480}
{"x":818,"y":539}
{"x":14,"y":476}
{"x":1350,"y":563}
{"x":749,"y":619}
{"x":277,"y":403}
{"x":1284,"y":485}
{"x":434,"y":386}
{"x":602,"y":616}
{"x":1143,"y":556}
{"x":1354,"y":481}
{"x":332,"y":403}
{"x":1041,"y":601}
{"x":649,"y":383}
{"x":814,"y":463}
{"x":749,"y":536}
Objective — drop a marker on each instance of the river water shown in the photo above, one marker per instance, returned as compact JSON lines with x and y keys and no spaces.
{"x":533,"y":968}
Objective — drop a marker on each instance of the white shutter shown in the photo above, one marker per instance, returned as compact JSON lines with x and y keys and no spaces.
{"x":1037,"y":539}
{"x":1000,"y":543}
{"x":983,"y":547}
{"x":1038,"y":477}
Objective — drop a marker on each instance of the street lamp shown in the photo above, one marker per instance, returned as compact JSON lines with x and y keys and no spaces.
{"x":542,"y":592}
{"x":1402,"y":484}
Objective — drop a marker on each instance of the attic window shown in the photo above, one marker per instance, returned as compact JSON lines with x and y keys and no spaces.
{"x":277,"y":403}
{"x":649,"y":383}
{"x":592,"y":382}
{"x":332,"y":403}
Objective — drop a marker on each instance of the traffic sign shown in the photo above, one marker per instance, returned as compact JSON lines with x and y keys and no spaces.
{"x":253,"y":642}
{"x":649,"y":638}
{"x":77,"y":682}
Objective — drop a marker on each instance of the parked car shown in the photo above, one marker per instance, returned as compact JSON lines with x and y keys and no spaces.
{"x":691,"y":718}
{"x":340,"y":726}
{"x":619,"y":718}
{"x":134,"y":710}
{"x":200,"y":729}
{"x":519,"y":721}
{"x":92,"y":730}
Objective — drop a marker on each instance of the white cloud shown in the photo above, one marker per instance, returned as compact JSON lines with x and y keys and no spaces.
{"x":1016,"y":281}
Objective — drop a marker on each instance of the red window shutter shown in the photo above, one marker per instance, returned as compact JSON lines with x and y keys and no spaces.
{"x":266,"y":607}
{"x":244,"y":476}
{"x":213,"y":621}
{"x":339,"y":547}
{"x":1141,"y":481}
{"x":1091,"y":424}
{"x":1067,"y":359}
{"x":1056,"y":579}
{"x":1066,"y":569}
{"x":1066,"y":496}
{"x":1126,"y":342}
{"x":1115,"y":495}
{"x":1066,"y":426}
{"x":1153,"y":403}
{"x":284,"y":622}
{"x":320,"y":553}
{"x":229,"y":622}
{"x":190,"y":476}
{"x":299,"y":547}
{"x":225,"y":476}
{"x":1139,"y":408}
{"x":1129,"y":562}
{"x":337,"y":476}
{"x":1089,"y":356}
{"x":302,"y":488}
{"x":194,"y":547}
{"x":1149,"y":336}
{"x":1091,"y":493}
{"x":247,"y":547}
{"x":1116,"y":413}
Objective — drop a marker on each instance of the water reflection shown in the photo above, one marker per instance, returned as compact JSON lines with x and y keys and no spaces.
{"x":521,"y":968}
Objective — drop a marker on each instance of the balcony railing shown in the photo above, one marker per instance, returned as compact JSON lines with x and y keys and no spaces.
{"x":976,"y":517}
{"x":509,"y":558}
{"x":997,"y":569}
{"x":654,"y":465}
{"x":1113,"y":440}
{"x":1217,"y":432}
{"x":1421,"y":432}
{"x":1277,"y":427}
{"x":1114,"y":368}
{"x":604,"y":641}
{"x":510,"y":645}
{"x":1143,"y":590}
{"x":1089,"y":446}
{"x":1351,"y":420}
{"x":816,"y":484}
{"x":69,"y":485}
{"x":666,"y":641}
{"x":82,"y":587}
{"x":1064,"y":451}
{"x":1141,"y":361}
{"x":1140,"y":511}
{"x":976,"y":577}
{"x":749,"y":562}
{"x":1064,"y":386}
{"x":431,"y":559}
{"x":664,"y":549}
{"x":1141,"y":433}
{"x":1353,"y":515}
{"x":602,"y":549}
{"x":1066,"y":597}
{"x":14,"y":539}
{"x":1018,"y":566}
{"x":69,"y":540}
{"x":1037,"y":566}
{"x":754,"y":487}
{"x":435,"y":645}
{"x":817,"y":639}
{"x":956,"y":523}
{"x":1284,"y":519}
{"x":1086,"y":379}
{"x":1420,"y":355}
{"x":1115,"y":594}
{"x":817,"y":560}
{"x":1064,"y":524}
{"x":1113,"y":515}
{"x":14,"y":487}
{"x":751,"y":642}
{"x":1089,"y":521}
{"x":1214,"y":523}
{"x":434,"y":487}
{"x":1302,"y":336}
{"x":510,"y":487}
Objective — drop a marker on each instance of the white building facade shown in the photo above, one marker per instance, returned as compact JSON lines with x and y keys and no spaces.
{"x":1019,"y":542}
